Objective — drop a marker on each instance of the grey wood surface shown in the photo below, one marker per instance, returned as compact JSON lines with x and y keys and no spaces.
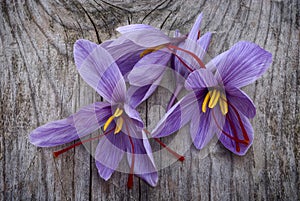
{"x":39,"y":83}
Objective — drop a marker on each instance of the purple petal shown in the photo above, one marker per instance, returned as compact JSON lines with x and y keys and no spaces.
{"x":204,"y":42}
{"x":242,"y":64}
{"x":109,"y":153}
{"x":126,"y":54}
{"x":134,"y":115}
{"x":204,"y":126}
{"x":241,"y":101}
{"x":83,"y":49}
{"x":101,"y":72}
{"x":200,"y":79}
{"x":178,"y":115}
{"x":149,"y":69}
{"x":145,"y":37}
{"x":144,"y":165}
{"x":84,"y":122}
{"x":231,"y":144}
{"x":193,"y":35}
{"x":146,"y":75}
{"x":136,"y":95}
{"x":133,"y":28}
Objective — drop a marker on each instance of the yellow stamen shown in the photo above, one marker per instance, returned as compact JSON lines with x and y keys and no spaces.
{"x":120,"y":122}
{"x":205,"y":101}
{"x":223,"y":104}
{"x":108,"y":122}
{"x":214,"y":98}
{"x":118,"y":112}
{"x":152,"y":49}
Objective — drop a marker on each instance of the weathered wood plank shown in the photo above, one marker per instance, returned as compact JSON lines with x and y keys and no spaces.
{"x":39,"y":83}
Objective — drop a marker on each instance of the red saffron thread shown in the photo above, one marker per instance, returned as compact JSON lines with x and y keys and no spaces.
{"x":178,"y":57}
{"x":189,"y":68}
{"x":190,"y":53}
{"x":237,"y":146}
{"x":245,"y":134}
{"x":225,"y":133}
{"x":130,"y":176}
{"x":178,"y":156}
{"x":57,"y":153}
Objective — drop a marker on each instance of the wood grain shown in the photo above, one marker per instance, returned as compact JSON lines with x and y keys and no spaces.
{"x":39,"y":83}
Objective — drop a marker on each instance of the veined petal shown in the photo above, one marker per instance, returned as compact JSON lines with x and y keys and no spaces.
{"x":146,"y":75}
{"x":145,"y":37}
{"x":149,"y":68}
{"x":109,"y":153}
{"x":144,"y":165}
{"x":204,"y":42}
{"x":242,"y":64}
{"x":237,"y":148}
{"x":84,"y":122}
{"x":83,"y":49}
{"x":193,"y":35}
{"x":178,"y":115}
{"x":136,"y":95}
{"x":126,"y":54}
{"x":241,"y":101}
{"x":203,"y":127}
{"x":134,"y":115}
{"x":133,"y":28}
{"x":100,"y":71}
{"x":200,"y":79}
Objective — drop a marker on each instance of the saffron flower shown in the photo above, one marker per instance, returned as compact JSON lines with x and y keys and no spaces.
{"x":121,"y":123}
{"x":215,"y":103}
{"x":162,"y":47}
{"x":153,"y":59}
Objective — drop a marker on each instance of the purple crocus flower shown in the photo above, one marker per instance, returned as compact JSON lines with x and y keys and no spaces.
{"x":121,"y":122}
{"x":162,"y":48}
{"x":215,"y":104}
{"x":153,"y":59}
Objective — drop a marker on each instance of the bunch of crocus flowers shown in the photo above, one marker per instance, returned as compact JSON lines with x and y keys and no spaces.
{"x":127,"y":70}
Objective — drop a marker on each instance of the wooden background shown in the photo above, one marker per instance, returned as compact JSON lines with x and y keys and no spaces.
{"x":39,"y":83}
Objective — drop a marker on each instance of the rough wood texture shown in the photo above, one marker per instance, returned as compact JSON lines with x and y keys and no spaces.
{"x":39,"y":83}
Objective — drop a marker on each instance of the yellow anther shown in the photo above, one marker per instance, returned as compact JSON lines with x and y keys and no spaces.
{"x":152,"y":49}
{"x":223,"y":104}
{"x":118,"y":112}
{"x":119,"y":125}
{"x":109,"y":120}
{"x":214,"y":98}
{"x":204,"y":104}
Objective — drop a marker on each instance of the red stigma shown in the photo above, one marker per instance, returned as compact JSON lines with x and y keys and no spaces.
{"x":130,"y":181}
{"x":130,"y":177}
{"x":189,"y":68}
{"x":57,"y":153}
{"x":178,"y":156}
{"x":170,"y":47}
{"x":198,"y":36}
{"x":234,"y":130}
{"x":245,"y":134}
